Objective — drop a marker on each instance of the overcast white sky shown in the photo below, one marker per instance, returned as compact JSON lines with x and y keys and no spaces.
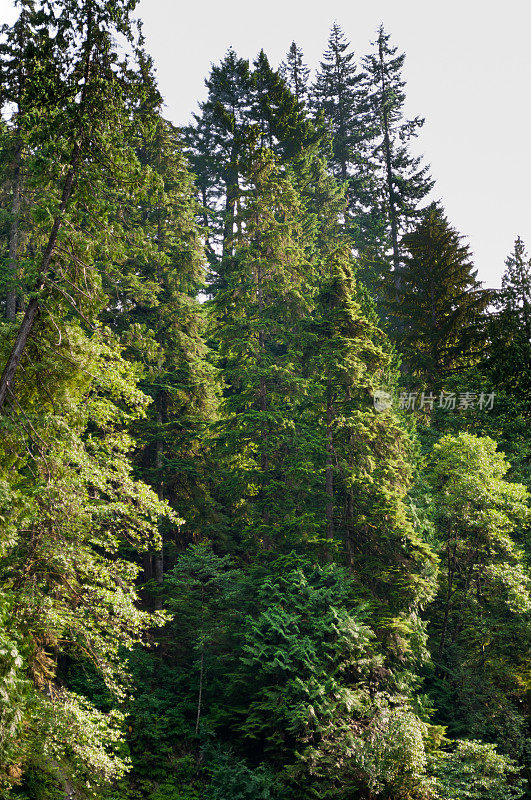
{"x":468,"y":72}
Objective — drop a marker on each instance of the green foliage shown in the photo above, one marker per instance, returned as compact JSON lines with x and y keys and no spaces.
{"x":311,"y":691}
{"x":439,"y":321}
{"x":337,"y":94}
{"x":73,"y":591}
{"x":480,"y":621}
{"x":232,"y":779}
{"x":15,"y":695}
{"x":295,"y":72}
{"x":73,"y":509}
{"x":401,"y":181}
{"x":476,"y":771}
{"x":292,"y":634}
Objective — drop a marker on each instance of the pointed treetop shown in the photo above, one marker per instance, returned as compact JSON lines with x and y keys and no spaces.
{"x":295,"y":72}
{"x":516,"y":280}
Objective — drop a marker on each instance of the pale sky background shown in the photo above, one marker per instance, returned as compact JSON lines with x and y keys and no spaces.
{"x":468,"y":72}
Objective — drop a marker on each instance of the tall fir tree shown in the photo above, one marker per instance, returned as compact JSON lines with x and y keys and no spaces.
{"x":282,"y":122}
{"x":348,"y":362}
{"x":244,"y":105}
{"x":89,"y":97}
{"x":269,"y":289}
{"x":72,"y":511}
{"x":505,"y":368}
{"x":162,"y":325}
{"x":27,"y":67}
{"x":216,"y":140}
{"x":338,"y":94}
{"x":300,"y":362}
{"x":399,"y":181}
{"x":510,"y":329}
{"x":440,"y":322}
{"x":296,"y":73}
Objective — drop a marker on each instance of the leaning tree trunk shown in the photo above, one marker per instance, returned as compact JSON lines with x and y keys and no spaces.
{"x":32,"y":310}
{"x":33,"y":307}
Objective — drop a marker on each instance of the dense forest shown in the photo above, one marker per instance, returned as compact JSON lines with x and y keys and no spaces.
{"x":264,"y":458}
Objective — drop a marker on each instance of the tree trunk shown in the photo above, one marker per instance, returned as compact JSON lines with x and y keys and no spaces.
{"x":329,"y":474}
{"x":231,"y":182}
{"x":200,"y":695}
{"x":450,"y":561}
{"x":31,"y":312}
{"x":262,"y":404}
{"x":147,"y":566}
{"x":389,"y":176}
{"x":349,"y":533}
{"x":11,"y":297}
{"x":158,"y":558}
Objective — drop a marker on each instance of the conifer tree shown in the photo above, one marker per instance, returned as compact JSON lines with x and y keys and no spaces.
{"x":399,"y":182}
{"x":268,"y":292}
{"x":348,"y":364}
{"x":291,"y":669}
{"x":338,"y":94}
{"x":283,"y":126}
{"x":295,"y":73}
{"x":26,"y":64}
{"x":505,"y":367}
{"x":439,"y":321}
{"x":481,"y":619}
{"x":300,"y":361}
{"x":71,"y":507}
{"x":510,"y":329}
{"x":63,"y":142}
{"x":244,"y":105}
{"x":162,"y":325}
{"x":216,"y":141}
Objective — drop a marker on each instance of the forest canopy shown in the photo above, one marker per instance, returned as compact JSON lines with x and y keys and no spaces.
{"x":264,"y":451}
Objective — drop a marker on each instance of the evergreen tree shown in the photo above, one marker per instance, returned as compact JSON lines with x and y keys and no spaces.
{"x":295,"y":73}
{"x":439,"y":321}
{"x":71,"y":506}
{"x":216,"y":141}
{"x":162,"y":325}
{"x":347,"y":363}
{"x":399,"y":182}
{"x":510,"y":329}
{"x":300,"y":362}
{"x":301,"y":695}
{"x":480,"y":621}
{"x":294,"y":692}
{"x":63,"y":144}
{"x":268,"y":291}
{"x":243,"y":107}
{"x":70,"y":509}
{"x":302,"y":614}
{"x":338,"y":94}
{"x":283,"y":126}
{"x":27,"y":67}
